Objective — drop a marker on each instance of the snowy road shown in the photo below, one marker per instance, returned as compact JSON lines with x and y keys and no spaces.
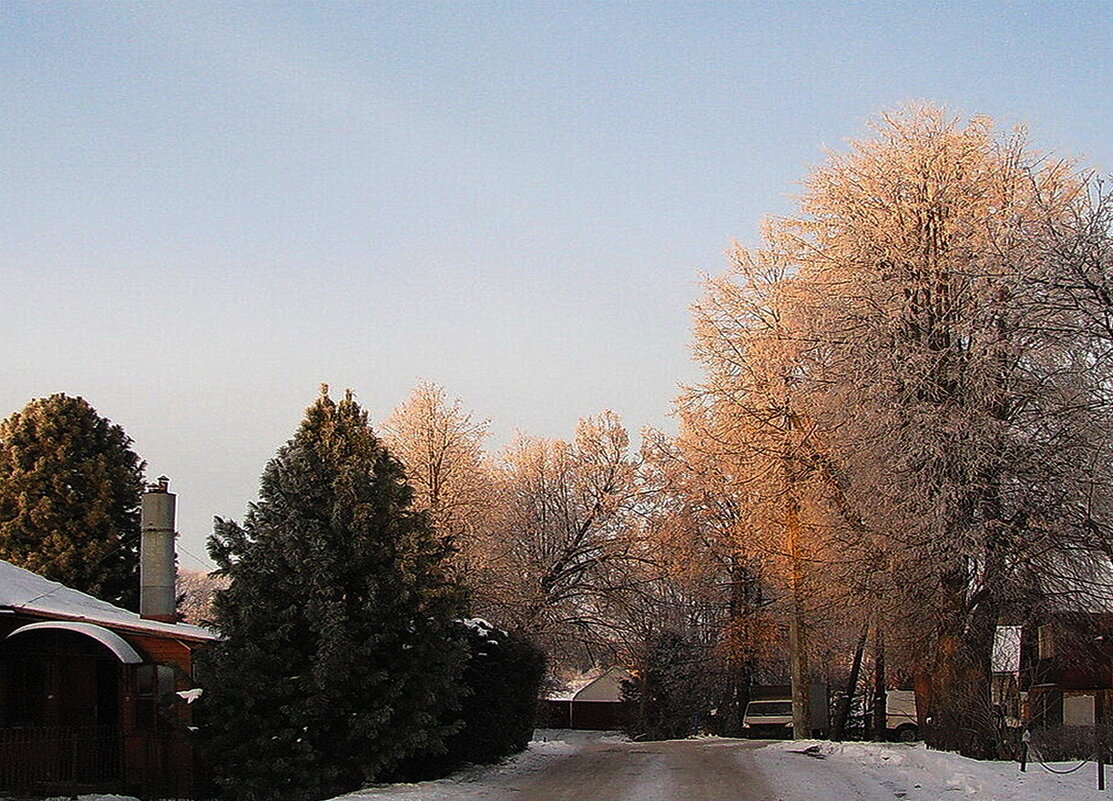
{"x":665,"y":771}
{"x":562,"y":766}
{"x":591,"y":767}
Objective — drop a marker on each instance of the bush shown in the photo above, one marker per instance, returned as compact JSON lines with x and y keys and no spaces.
{"x":668,"y":697}
{"x":503,"y":680}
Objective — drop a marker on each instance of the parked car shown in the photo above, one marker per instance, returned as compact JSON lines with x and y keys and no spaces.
{"x":772,"y":717}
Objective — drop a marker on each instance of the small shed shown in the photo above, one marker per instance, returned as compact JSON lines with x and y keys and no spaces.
{"x":597,"y":705}
{"x":92,"y":696}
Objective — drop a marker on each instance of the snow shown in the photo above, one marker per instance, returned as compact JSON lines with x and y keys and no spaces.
{"x":886,"y":771}
{"x":832,"y":772}
{"x":189,"y":696}
{"x":490,"y":781}
{"x":566,"y":764}
{"x":24,"y":591}
{"x":482,"y":627}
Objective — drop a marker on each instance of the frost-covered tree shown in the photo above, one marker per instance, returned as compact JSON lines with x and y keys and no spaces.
{"x":339,"y":655}
{"x":441,"y":447}
{"x":195,"y":590}
{"x":560,"y":539}
{"x":938,"y":304}
{"x":70,"y":488}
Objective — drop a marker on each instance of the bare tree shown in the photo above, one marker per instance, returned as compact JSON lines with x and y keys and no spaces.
{"x":559,"y":541}
{"x":195,"y":590}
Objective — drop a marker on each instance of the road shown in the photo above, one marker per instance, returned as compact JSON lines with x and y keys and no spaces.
{"x":580,"y":766}
{"x":587,"y":766}
{"x":686,"y":770}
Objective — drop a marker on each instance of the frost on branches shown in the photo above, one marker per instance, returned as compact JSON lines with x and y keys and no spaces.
{"x":911,"y":376}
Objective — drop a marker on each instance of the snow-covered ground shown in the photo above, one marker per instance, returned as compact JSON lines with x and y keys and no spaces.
{"x":831,"y":772}
{"x":599,"y":767}
{"x":549,"y":747}
{"x":869,"y":771}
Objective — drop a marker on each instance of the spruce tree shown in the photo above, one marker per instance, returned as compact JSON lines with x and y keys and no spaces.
{"x":339,"y":655}
{"x":70,"y":488}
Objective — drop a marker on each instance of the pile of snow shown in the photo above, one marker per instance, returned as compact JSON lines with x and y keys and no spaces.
{"x":487,"y":781}
{"x":820,"y":769}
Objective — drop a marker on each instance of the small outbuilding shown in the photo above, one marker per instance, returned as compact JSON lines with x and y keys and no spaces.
{"x":597,"y":705}
{"x":94,"y":697}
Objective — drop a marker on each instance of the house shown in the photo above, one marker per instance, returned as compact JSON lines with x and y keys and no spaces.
{"x":597,"y":705}
{"x":1068,"y":669}
{"x":92,"y":696}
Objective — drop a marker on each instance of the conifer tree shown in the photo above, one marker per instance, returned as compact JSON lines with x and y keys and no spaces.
{"x":70,"y":488}
{"x":340,"y":657}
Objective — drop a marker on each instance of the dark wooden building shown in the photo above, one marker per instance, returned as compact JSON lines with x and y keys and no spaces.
{"x":1068,"y":669}
{"x":92,"y":696}
{"x":597,"y":705}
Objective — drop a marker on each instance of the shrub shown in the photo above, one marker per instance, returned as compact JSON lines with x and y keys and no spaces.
{"x":503,"y":680}
{"x":667,"y":697}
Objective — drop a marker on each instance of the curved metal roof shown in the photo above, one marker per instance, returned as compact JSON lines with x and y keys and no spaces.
{"x":110,"y":639}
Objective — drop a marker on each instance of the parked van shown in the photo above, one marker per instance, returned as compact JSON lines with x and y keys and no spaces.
{"x":901,"y":720}
{"x":768,"y":718}
{"x":770,"y":715}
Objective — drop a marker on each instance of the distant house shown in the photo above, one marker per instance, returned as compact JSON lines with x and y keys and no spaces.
{"x":92,"y":696}
{"x":597,"y":705}
{"x":1068,"y":669}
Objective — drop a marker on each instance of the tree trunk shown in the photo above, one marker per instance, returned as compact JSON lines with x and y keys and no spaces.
{"x":843,"y":713}
{"x":961,"y":717}
{"x":879,"y":717}
{"x":739,"y":660}
{"x":797,"y":631}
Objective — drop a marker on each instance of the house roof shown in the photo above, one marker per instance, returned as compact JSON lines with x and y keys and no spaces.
{"x":31,"y":594}
{"x":607,"y":687}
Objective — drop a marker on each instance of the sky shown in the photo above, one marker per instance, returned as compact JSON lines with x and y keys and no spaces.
{"x":208,"y":210}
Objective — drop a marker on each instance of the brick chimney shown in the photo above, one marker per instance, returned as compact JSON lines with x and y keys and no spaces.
{"x":157,"y":569}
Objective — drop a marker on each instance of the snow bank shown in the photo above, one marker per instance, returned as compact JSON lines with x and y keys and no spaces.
{"x":487,"y":781}
{"x":819,"y":769}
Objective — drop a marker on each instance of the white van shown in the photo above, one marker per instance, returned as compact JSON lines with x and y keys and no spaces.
{"x":901,"y":721}
{"x":770,"y":718}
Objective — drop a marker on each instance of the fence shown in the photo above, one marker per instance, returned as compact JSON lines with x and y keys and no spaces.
{"x":59,"y":758}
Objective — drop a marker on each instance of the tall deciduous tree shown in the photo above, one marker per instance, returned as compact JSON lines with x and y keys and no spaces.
{"x":70,"y":488}
{"x":967,"y":413}
{"x":940,"y":304}
{"x":441,"y":447}
{"x":561,"y":541}
{"x":338,"y":656}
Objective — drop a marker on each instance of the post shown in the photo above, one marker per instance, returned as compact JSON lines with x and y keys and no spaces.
{"x":1024,"y":739}
{"x":1101,"y":767}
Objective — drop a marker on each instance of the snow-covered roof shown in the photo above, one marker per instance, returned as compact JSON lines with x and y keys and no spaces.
{"x":605,"y":686}
{"x":24,"y":591}
{"x":106,"y":637}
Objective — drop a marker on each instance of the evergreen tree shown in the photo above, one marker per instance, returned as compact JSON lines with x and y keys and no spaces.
{"x":669,"y":696}
{"x":340,"y":657}
{"x":70,"y":488}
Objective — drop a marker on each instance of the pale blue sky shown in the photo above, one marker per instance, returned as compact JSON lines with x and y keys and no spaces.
{"x":209,"y":209}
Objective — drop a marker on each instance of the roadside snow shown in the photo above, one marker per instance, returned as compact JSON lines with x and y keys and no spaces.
{"x":877,"y":772}
{"x":488,"y":781}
